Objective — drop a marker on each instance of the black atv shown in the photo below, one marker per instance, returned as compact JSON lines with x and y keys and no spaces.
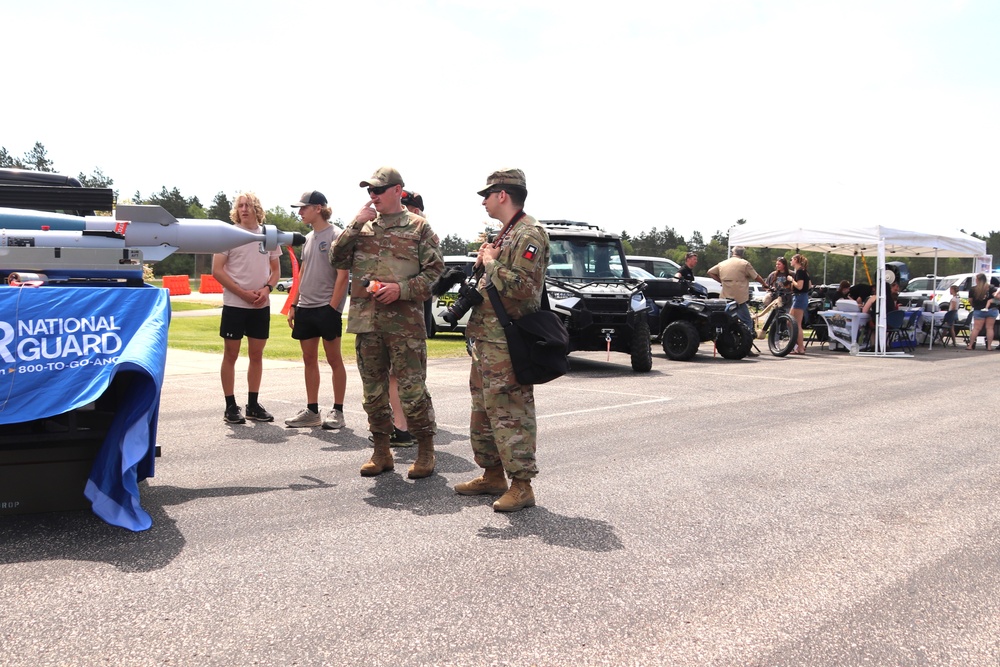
{"x":689,"y":320}
{"x":610,"y":314}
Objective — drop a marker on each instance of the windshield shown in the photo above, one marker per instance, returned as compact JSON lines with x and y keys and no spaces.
{"x":927,"y":284}
{"x":584,"y":258}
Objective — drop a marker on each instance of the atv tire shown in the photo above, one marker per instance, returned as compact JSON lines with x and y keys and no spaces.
{"x":642,"y":349}
{"x":735,"y":343}
{"x":680,"y":341}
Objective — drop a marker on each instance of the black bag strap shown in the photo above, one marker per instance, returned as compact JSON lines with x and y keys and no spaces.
{"x":501,"y":312}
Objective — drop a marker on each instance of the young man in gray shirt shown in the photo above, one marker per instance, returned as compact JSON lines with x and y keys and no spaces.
{"x":316,"y":312}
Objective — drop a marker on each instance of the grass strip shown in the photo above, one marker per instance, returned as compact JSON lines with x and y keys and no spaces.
{"x":201,"y":334}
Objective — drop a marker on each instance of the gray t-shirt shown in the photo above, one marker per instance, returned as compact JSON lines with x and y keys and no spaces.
{"x":318,"y":277}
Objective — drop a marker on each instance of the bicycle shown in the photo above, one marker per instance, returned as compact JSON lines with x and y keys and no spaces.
{"x":780,"y":328}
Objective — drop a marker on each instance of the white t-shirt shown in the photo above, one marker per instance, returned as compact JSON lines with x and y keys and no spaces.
{"x":249,"y":268}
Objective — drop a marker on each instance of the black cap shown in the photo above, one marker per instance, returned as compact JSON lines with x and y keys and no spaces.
{"x":310,"y":198}
{"x":412,"y":199}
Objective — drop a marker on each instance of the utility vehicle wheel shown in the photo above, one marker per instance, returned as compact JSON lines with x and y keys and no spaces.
{"x":642,"y":349}
{"x":680,"y":340}
{"x":735,"y":343}
{"x":783,"y":335}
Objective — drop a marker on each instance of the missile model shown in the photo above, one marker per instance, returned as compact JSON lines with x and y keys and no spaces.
{"x":68,"y":246}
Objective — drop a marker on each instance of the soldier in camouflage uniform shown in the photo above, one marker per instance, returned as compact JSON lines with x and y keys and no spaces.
{"x":393,"y":256}
{"x":502,"y":426}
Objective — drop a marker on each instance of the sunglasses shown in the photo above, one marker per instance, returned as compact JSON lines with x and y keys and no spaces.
{"x":492,"y":191}
{"x":379,"y":190}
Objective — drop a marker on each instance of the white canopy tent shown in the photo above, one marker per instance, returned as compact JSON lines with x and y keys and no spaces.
{"x":880,"y":240}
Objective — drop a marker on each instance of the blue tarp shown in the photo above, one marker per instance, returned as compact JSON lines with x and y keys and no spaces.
{"x":60,"y":349}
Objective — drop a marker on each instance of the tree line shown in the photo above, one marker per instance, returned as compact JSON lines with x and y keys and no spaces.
{"x":654,"y":242}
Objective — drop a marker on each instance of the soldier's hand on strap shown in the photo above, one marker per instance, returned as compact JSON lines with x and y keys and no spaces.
{"x":487,"y":252}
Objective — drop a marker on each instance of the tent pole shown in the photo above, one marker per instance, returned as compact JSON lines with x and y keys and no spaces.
{"x":880,"y":326}
{"x":934,"y":281}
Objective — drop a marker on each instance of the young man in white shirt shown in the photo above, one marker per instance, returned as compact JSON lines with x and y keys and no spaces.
{"x":248,"y":276}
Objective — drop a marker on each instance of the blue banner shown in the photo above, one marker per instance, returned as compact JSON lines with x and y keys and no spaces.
{"x":60,"y":349}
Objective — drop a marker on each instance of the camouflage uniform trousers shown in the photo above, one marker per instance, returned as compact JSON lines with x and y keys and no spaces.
{"x":378,"y":353}
{"x":502,"y":426}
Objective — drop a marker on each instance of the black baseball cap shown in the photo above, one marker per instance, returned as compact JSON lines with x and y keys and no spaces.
{"x":310,"y":198}
{"x":411,"y":198}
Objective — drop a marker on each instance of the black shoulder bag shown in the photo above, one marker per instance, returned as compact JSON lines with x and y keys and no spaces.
{"x":538,"y":343}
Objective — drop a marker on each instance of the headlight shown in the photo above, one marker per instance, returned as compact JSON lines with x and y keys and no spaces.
{"x":559,"y":295}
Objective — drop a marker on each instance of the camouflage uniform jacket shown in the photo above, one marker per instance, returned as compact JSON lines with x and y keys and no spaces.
{"x":397,"y":248}
{"x":519,"y":275}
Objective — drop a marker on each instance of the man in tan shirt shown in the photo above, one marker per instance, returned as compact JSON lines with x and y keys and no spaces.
{"x":735,"y":275}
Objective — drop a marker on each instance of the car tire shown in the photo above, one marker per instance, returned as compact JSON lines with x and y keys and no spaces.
{"x":642,"y":349}
{"x":680,"y":341}
{"x":281,"y":287}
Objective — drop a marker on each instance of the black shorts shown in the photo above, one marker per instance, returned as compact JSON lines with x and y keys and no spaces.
{"x":249,"y":322}
{"x":322,"y":321}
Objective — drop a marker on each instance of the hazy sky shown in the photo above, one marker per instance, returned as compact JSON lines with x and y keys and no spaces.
{"x":626,"y":114}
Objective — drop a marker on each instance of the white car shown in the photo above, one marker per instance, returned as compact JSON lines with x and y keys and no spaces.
{"x":440,"y":304}
{"x":757,"y":294}
{"x":919,"y":289}
{"x":283,"y":285}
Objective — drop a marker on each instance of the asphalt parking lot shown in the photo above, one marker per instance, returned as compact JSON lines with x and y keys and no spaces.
{"x":817,"y":510}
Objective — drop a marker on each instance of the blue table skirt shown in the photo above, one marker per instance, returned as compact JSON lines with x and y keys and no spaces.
{"x":60,"y":349}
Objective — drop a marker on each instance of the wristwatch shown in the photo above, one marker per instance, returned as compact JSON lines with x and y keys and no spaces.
{"x":269,"y":286}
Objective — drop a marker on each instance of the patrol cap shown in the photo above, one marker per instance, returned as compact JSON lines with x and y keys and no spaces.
{"x":504,"y":177}
{"x":383,"y":176}
{"x":411,"y":198}
{"x":310,"y":198}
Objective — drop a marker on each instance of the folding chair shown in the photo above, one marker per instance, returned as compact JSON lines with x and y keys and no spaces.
{"x":946,"y":329}
{"x":819,"y":333}
{"x":899,"y":329}
{"x":962,"y":328}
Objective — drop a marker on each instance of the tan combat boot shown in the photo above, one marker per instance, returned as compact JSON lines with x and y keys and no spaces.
{"x":491,"y":483}
{"x":381,"y":460}
{"x":424,"y":465}
{"x":517,"y":497}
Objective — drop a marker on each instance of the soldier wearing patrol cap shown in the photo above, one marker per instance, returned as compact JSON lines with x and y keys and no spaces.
{"x":413,"y":202}
{"x":394,"y":258}
{"x":502,"y":425}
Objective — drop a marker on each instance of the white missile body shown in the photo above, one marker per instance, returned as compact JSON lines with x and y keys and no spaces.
{"x":149,"y":229}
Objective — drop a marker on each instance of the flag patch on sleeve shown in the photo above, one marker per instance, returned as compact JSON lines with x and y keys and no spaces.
{"x":530,"y":252}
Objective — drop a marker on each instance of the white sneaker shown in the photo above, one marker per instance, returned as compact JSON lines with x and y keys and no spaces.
{"x":335,"y":419}
{"x":305,"y":419}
